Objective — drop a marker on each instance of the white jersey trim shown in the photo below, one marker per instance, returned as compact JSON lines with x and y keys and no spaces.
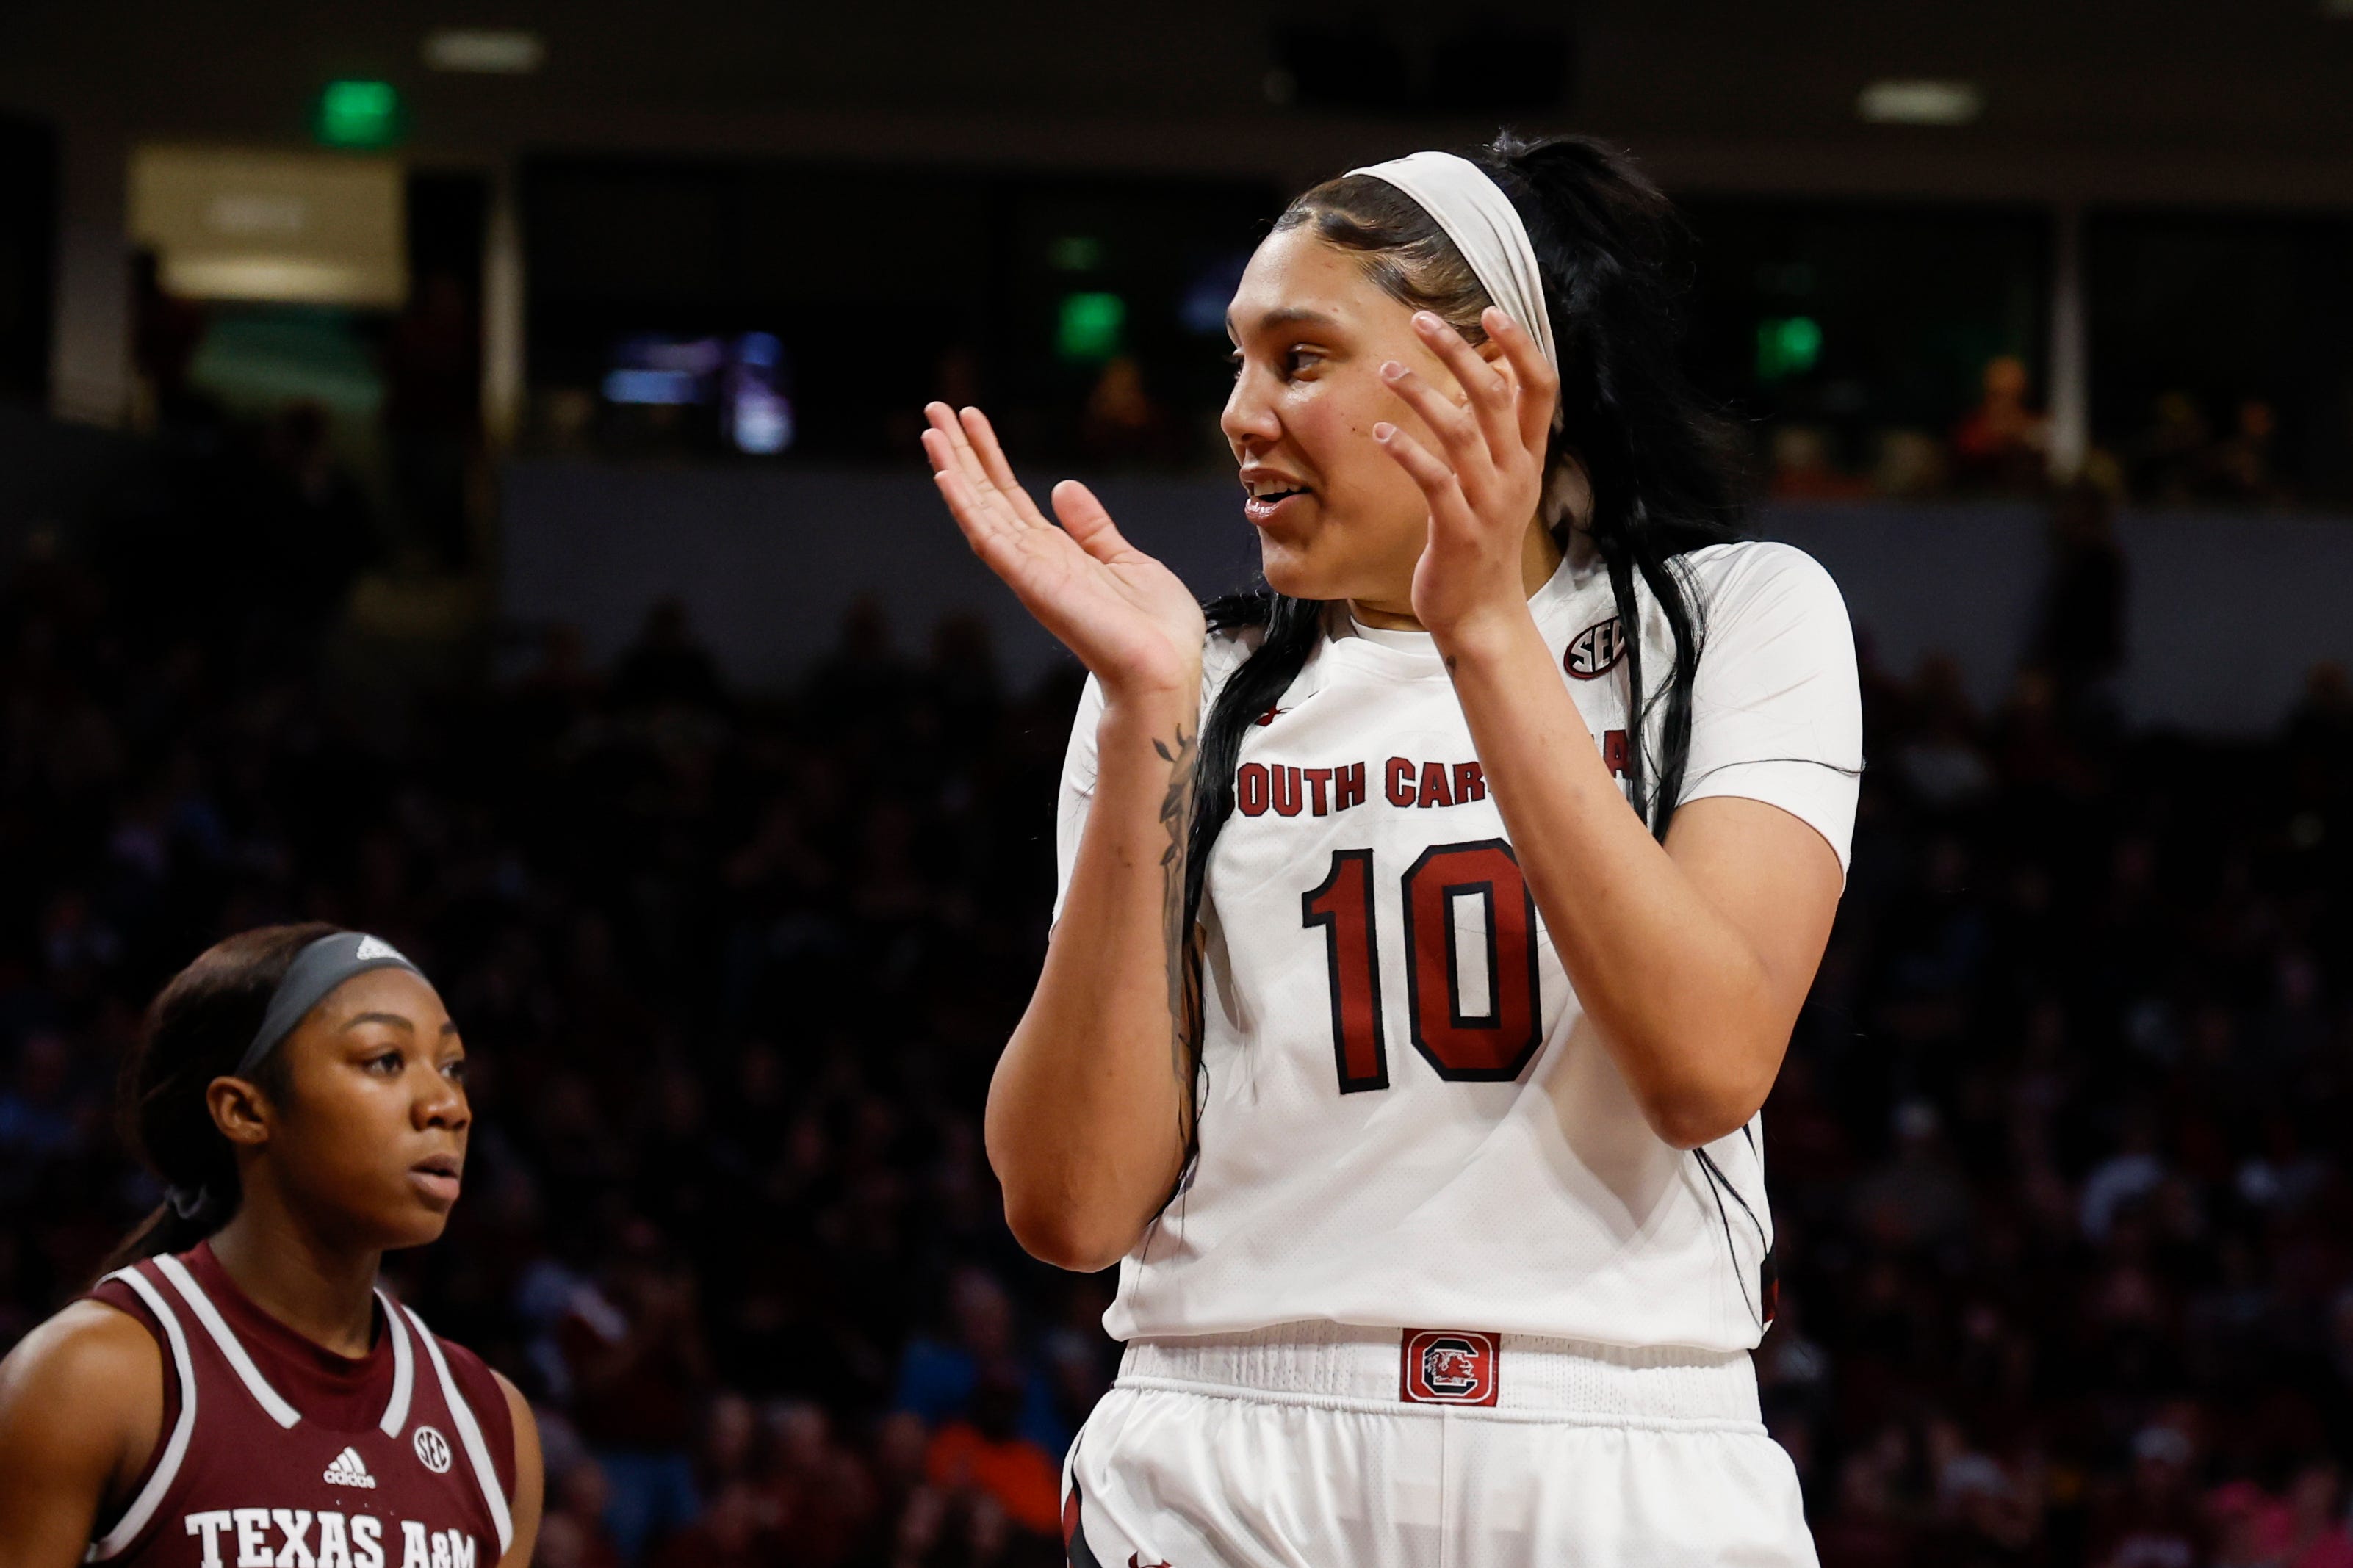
{"x":208,"y":1314}
{"x":470,"y":1435}
{"x":404,"y":1370}
{"x":167,"y":1468}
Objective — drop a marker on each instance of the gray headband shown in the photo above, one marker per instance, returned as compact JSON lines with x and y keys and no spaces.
{"x":316,"y":971}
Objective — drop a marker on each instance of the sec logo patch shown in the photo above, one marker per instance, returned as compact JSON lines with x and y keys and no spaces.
{"x":1596,"y":650}
{"x":433,"y":1450}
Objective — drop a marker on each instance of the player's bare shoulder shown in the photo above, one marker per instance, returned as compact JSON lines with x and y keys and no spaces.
{"x":91,"y":1356}
{"x":81,"y":1406}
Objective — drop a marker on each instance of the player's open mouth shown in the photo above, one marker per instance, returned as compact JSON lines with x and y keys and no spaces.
{"x":1267,"y":498}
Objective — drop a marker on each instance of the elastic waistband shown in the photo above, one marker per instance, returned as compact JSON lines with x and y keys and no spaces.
{"x":1532,"y":1377}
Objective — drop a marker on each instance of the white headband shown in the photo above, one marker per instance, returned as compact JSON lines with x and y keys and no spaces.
{"x":1486,"y":227}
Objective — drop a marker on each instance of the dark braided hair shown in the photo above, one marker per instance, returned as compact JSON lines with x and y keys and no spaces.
{"x":1657,"y":454}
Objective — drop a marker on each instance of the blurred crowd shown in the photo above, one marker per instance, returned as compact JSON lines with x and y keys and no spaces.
{"x":2181,"y":457}
{"x":2057,"y":1156}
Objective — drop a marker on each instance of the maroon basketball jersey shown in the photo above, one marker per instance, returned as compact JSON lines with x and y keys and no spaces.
{"x":276,"y":1451}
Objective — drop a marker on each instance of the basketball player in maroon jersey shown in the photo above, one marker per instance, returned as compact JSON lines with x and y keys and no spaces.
{"x":237,"y":1391}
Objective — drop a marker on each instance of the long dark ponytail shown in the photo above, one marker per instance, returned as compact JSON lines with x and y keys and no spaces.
{"x":1658,"y":456}
{"x":196,"y":1030}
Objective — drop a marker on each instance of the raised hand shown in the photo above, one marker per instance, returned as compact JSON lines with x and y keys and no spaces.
{"x":1487,"y":478}
{"x":1126,"y":616}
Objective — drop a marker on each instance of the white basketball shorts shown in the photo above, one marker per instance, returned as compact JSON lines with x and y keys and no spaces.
{"x":1324,"y":1446}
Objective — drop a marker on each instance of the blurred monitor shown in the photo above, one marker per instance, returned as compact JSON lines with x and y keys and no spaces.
{"x":312,"y":228}
{"x":735,"y":384}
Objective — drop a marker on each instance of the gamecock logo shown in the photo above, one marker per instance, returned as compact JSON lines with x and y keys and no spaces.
{"x":1450,"y":1369}
{"x":1449,"y":1366}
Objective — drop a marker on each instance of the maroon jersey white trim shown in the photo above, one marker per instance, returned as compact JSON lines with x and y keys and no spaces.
{"x":470,"y":1435}
{"x":208,"y":1314}
{"x":176,"y":1448}
{"x":404,"y":1370}
{"x":280,"y":1451}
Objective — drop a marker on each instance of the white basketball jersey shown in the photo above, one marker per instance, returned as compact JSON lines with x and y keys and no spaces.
{"x":1407,"y":1120}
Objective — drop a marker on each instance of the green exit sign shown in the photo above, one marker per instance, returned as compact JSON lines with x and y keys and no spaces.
{"x":1088,"y":327}
{"x":359,"y":114}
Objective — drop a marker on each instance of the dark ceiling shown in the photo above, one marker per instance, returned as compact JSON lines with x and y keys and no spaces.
{"x":2143,"y":77}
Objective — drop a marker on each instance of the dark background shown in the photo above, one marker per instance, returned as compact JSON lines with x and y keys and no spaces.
{"x":716,"y":795}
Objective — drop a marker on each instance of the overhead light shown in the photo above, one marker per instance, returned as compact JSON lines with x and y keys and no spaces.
{"x":1920,"y":102}
{"x":498,"y":51}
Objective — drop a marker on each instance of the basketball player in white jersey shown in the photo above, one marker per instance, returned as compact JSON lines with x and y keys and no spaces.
{"x":1432,"y":927}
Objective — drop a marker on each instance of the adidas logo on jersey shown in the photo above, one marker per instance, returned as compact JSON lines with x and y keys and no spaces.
{"x":348,"y":1469}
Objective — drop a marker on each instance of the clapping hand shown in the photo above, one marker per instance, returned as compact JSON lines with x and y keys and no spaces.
{"x":1126,"y":616}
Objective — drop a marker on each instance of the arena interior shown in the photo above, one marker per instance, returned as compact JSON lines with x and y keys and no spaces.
{"x":462,"y":482}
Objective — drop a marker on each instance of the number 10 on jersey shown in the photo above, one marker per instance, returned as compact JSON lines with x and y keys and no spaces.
{"x":1489,"y":1046}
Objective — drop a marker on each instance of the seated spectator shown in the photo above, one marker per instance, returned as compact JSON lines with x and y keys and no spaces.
{"x":2002,"y":444}
{"x":2250,"y":1529}
{"x":964,"y":1530}
{"x":633,"y":1350}
{"x":1802,"y":468}
{"x":820,"y":1495}
{"x":1943,"y":759}
{"x":1919,"y":1197}
{"x":727,"y":1534}
{"x":2131,"y":1173}
{"x":1986,"y":1515}
{"x":2316,"y":1528}
{"x":1865,"y":1530}
{"x":862,"y":683}
{"x":571,"y":1532}
{"x":982,"y":1452}
{"x":731,"y":1432}
{"x":666,"y":667}
{"x":938,"y":1380}
{"x":2165,"y":461}
{"x":2239,"y":467}
{"x":2153,"y":1522}
{"x":1912,"y":465}
{"x":40,"y":1116}
{"x":1123,"y":422}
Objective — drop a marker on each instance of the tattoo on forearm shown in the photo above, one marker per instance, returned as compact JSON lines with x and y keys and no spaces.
{"x":1183,"y":957}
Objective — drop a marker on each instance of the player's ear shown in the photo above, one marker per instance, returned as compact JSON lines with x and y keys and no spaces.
{"x":241,"y":1110}
{"x":1569,"y":492}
